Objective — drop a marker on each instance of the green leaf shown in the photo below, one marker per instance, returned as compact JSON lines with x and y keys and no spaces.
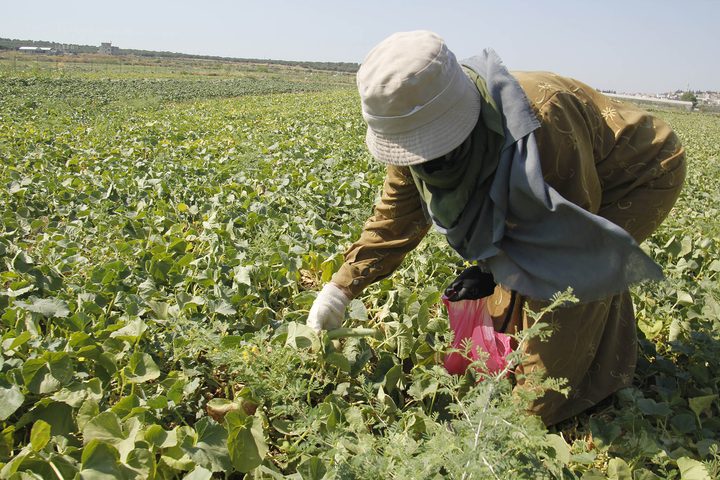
{"x":650,"y":407}
{"x":141,"y":368}
{"x":704,"y":446}
{"x":312,"y":469}
{"x":15,"y":463}
{"x":159,"y":269}
{"x":328,"y":269}
{"x":132,"y":426}
{"x":105,"y":427}
{"x":644,"y":474}
{"x":100,"y":461}
{"x":60,"y":365}
{"x":231,"y":341}
{"x":17,"y":293}
{"x":246,"y":442}
{"x":211,"y":448}
{"x":692,"y":469}
{"x":674,"y":330}
{"x":405,"y":340}
{"x":49,"y":466}
{"x":392,"y":377}
{"x":618,"y":470}
{"x":160,"y":309}
{"x":684,"y":423}
{"x":604,"y":433}
{"x":423,"y":315}
{"x":357,"y":311}
{"x":147,"y":289}
{"x":222,"y":307}
{"x":48,"y":307}
{"x":700,"y":404}
{"x":338,"y":360}
{"x":562,"y":449}
{"x":158,"y":402}
{"x":142,"y":463}
{"x":39,"y":435}
{"x":684,"y":298}
{"x":685,"y":246}
{"x":302,"y":336}
{"x":58,"y":415}
{"x":17,"y":341}
{"x":10,"y":400}
{"x":242,"y":276}
{"x":124,"y":405}
{"x":22,"y":262}
{"x":7,"y":442}
{"x":158,"y":437}
{"x":593,"y":474}
{"x":87,"y":411}
{"x":131,"y":332}
{"x":424,"y":388}
{"x":76,"y":393}
{"x":198,"y":473}
{"x":185,"y":300}
{"x":584,"y":458}
{"x":48,"y":373}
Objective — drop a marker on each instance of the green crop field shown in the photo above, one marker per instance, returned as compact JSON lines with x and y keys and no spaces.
{"x":164,"y":232}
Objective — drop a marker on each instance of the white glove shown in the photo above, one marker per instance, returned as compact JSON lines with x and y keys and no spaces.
{"x":328,"y":309}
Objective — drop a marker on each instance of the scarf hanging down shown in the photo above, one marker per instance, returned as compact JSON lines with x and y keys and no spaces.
{"x":492,"y":203}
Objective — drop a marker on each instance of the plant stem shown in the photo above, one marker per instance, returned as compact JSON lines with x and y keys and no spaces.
{"x":55,"y":469}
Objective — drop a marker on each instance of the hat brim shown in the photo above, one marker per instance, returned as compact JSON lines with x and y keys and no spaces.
{"x":432,"y":140}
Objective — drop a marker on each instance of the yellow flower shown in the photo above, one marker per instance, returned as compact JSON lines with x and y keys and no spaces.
{"x":250,"y":352}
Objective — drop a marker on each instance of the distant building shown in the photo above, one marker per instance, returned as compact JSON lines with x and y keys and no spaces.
{"x":47,"y":50}
{"x":106,"y":48}
{"x":650,"y":101}
{"x":709,"y":98}
{"x":69,"y":49}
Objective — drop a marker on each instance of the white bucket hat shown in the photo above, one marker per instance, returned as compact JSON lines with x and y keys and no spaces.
{"x":416,"y":99}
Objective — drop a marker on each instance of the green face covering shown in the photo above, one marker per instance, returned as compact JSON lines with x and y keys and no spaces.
{"x":448,"y":185}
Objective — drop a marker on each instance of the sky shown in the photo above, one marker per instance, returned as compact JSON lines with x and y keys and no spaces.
{"x":626,"y":46}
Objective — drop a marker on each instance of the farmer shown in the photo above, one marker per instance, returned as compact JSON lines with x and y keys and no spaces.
{"x":538,"y":179}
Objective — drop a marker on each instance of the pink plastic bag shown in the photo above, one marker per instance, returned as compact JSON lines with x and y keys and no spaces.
{"x":470,"y":319}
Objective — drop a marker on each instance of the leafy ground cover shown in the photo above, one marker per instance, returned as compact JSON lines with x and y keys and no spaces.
{"x":161,"y":248}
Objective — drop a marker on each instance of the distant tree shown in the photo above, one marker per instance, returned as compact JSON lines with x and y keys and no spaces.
{"x":689,"y":97}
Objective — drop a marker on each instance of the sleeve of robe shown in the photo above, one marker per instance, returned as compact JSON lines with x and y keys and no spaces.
{"x":396,"y":227}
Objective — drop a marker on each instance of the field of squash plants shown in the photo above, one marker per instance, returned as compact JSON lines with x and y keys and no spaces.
{"x":162,"y":240}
